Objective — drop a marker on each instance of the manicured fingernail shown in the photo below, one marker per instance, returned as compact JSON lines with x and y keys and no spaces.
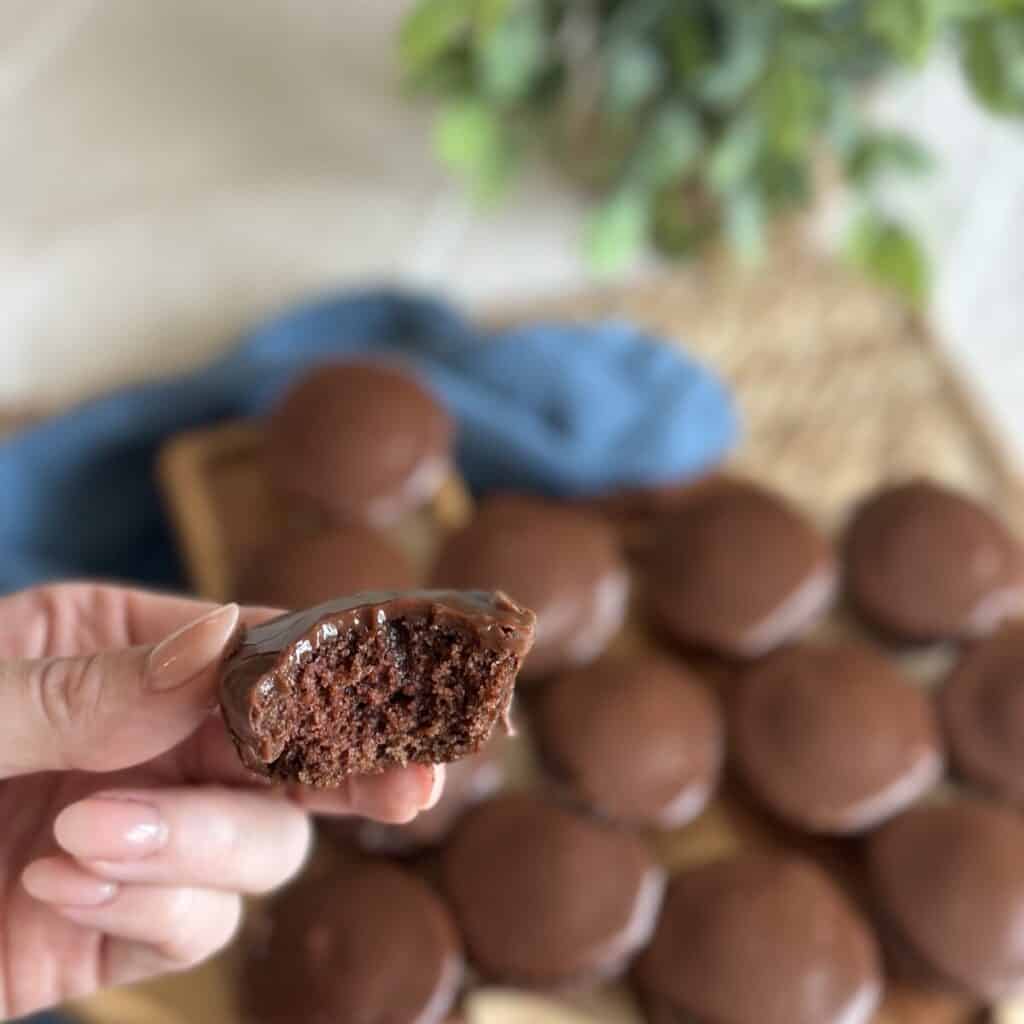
{"x":110,"y":828}
{"x":52,"y":882}
{"x":436,"y":787}
{"x":194,"y":647}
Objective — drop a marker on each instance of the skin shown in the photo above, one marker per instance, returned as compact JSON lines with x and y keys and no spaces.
{"x":129,"y":830}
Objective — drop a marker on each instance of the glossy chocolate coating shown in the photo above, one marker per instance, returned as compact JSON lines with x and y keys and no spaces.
{"x":563,"y":563}
{"x":259,"y":679}
{"x":762,"y":939}
{"x":982,"y":706}
{"x":834,"y":739}
{"x":926,"y":563}
{"x":737,"y":570}
{"x":637,"y":739}
{"x":371,"y":945}
{"x":304,"y":570}
{"x":360,"y":442}
{"x":546,"y":897}
{"x":949,"y":878}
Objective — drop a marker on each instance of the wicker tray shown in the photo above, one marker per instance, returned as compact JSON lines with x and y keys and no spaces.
{"x":839,"y":388}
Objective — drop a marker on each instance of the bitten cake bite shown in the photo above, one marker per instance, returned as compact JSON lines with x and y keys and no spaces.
{"x":636,"y":739}
{"x":548,"y":898}
{"x":834,"y":739}
{"x":362,"y":683}
{"x":563,"y":563}
{"x":373,"y":945}
{"x":362,"y":442}
{"x":762,"y":939}
{"x":925,"y":563}
{"x":983,"y":712}
{"x":304,"y":570}
{"x":738,"y":570}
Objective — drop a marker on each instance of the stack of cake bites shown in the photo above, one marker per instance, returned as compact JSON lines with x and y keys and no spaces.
{"x":740,"y":816}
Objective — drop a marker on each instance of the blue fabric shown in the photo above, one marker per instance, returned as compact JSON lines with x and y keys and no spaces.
{"x":553,"y":408}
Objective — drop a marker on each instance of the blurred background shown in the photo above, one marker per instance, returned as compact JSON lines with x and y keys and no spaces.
{"x":174,"y":169}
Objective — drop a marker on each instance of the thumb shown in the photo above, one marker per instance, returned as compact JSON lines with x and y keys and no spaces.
{"x":115,"y":708}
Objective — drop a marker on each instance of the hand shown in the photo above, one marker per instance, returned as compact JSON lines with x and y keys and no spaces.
{"x":128,"y":826}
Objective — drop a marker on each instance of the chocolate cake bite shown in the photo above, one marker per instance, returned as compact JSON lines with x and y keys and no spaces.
{"x":925,"y":563}
{"x":983,"y":712}
{"x":563,"y":563}
{"x":379,"y":679}
{"x":373,"y":945}
{"x":545,"y":897}
{"x":762,"y":939}
{"x":737,"y":570}
{"x":636,"y":739}
{"x":363,"y":442}
{"x":306,"y":569}
{"x":949,"y":883}
{"x":834,"y":739}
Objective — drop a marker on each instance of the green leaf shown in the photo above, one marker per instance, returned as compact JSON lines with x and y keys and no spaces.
{"x":470,"y":140}
{"x":633,"y":74}
{"x":810,"y":5}
{"x":430,"y":29}
{"x":510,"y":55}
{"x":748,"y":35}
{"x":683,"y":221}
{"x":879,"y":152}
{"x":734,"y":156}
{"x":908,"y":27}
{"x":793,"y":103}
{"x":617,"y":231}
{"x":993,"y":59}
{"x":889,"y":253}
{"x":744,"y":225}
{"x":666,"y":150}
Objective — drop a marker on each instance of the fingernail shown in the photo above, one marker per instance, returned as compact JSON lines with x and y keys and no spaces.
{"x":194,"y":647}
{"x":108,"y":828}
{"x":51,"y":882}
{"x":436,"y":787}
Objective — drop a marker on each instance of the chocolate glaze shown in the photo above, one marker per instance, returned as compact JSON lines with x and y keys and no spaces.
{"x":983,"y":712}
{"x":560,"y":561}
{"x":834,"y":739}
{"x":926,"y":563}
{"x":548,"y":898}
{"x":638,"y":739}
{"x":360,"y":442}
{"x":372,"y":945}
{"x":737,"y":570}
{"x":762,"y":939}
{"x":263,"y":668}
{"x":949,"y":878}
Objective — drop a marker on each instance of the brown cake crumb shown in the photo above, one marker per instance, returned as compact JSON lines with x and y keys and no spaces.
{"x":364,"y":683}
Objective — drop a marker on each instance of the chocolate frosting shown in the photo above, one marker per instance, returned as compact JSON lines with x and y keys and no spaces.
{"x":762,"y":939}
{"x":835,"y":738}
{"x":983,"y":711}
{"x":563,"y":563}
{"x":265,"y":665}
{"x":926,"y":563}
{"x":950,"y":878}
{"x":371,"y":946}
{"x":638,"y":739}
{"x":739,"y":571}
{"x":299,"y":571}
{"x":360,"y":441}
{"x":545,"y":897}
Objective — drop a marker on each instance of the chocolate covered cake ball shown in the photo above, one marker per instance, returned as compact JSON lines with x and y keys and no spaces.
{"x":762,"y":939}
{"x":545,"y":897}
{"x":949,"y":883}
{"x":834,"y":739}
{"x":307,"y":569}
{"x":563,"y":563}
{"x":982,"y":706}
{"x":360,"y":442}
{"x":362,"y":683}
{"x":371,"y":945}
{"x":637,"y":739}
{"x":738,"y":571}
{"x":926,"y":563}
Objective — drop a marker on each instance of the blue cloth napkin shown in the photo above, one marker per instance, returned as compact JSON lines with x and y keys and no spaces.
{"x":552,"y":408}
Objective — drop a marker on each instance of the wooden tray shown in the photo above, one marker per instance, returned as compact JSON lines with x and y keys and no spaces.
{"x":839,"y":389}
